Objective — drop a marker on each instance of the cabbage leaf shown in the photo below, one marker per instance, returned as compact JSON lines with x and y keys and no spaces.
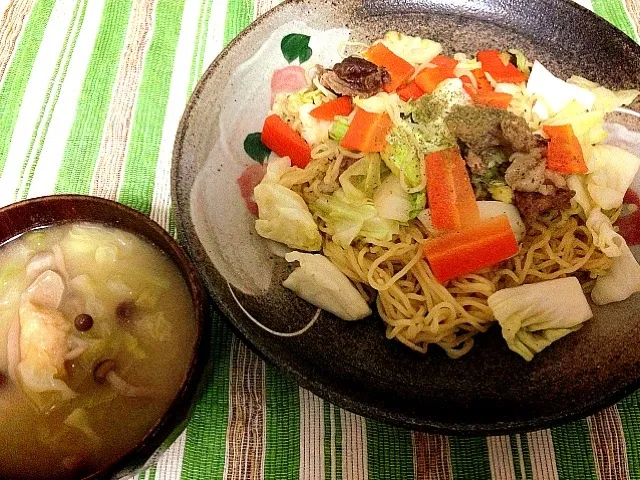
{"x":321,"y":283}
{"x":535,"y":315}
{"x":414,"y":50}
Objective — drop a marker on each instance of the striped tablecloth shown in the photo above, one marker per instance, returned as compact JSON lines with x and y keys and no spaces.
{"x":91,"y":93}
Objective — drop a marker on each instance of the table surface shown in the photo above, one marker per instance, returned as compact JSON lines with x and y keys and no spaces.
{"x":91,"y":93}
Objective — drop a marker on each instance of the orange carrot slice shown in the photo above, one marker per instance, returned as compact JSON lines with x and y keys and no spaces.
{"x":327,"y":111}
{"x":451,"y":199}
{"x":410,"y":91}
{"x":492,"y":64}
{"x":564,"y":153}
{"x":367,"y":131}
{"x":479,"y":246}
{"x":399,"y":69}
{"x":278,"y":136}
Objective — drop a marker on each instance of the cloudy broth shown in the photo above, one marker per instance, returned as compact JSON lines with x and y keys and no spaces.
{"x":97,"y":331}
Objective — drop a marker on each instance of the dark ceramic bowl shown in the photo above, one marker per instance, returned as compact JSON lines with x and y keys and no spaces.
{"x":44,"y":211}
{"x":489,"y":390}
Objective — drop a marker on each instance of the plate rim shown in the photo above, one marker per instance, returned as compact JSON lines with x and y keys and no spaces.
{"x":329,"y":392}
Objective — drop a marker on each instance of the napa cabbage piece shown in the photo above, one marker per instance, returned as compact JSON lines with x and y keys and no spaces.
{"x":283,"y":214}
{"x":393,"y":202}
{"x":553,"y":93}
{"x":321,"y":283}
{"x":605,"y":100}
{"x":285,"y":104}
{"x":362,"y":177}
{"x":339,"y":128}
{"x":612,"y":172}
{"x":348,"y":218}
{"x":535,"y":315}
{"x":621,"y":281}
{"x":414,"y":50}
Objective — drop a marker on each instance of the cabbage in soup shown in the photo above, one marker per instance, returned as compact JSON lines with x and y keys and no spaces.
{"x":97,"y":332}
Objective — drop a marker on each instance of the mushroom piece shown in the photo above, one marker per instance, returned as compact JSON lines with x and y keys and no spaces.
{"x":105,"y":372}
{"x":125,"y":311}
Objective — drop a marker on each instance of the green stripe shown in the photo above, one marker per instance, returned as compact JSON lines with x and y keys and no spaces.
{"x":614,"y":12}
{"x":338,"y":439}
{"x":85,"y":138}
{"x":148,"y":121}
{"x":327,"y":440}
{"x":390,"y":452}
{"x":526,"y":457}
{"x":17,"y":76}
{"x":66,"y":54}
{"x":194,"y":59}
{"x":239,"y":15}
{"x":205,"y":446}
{"x":629,"y":409}
{"x":469,"y":458}
{"x":282,"y":446}
{"x":574,"y":457}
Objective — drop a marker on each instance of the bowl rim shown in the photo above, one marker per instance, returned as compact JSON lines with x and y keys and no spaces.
{"x":327,"y":391}
{"x":173,"y":421}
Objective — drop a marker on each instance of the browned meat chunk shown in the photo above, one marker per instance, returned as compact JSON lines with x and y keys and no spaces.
{"x":477,"y":127}
{"x":517,"y":134}
{"x":355,"y":76}
{"x":476,"y":165}
{"x":531,"y":204}
{"x":526,"y":172}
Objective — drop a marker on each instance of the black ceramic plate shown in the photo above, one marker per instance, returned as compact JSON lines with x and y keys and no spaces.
{"x":489,"y":390}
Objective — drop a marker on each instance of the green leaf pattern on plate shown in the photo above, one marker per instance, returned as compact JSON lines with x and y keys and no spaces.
{"x":255,"y":148}
{"x":296,"y":45}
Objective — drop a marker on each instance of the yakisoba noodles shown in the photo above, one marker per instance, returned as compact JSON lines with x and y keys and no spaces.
{"x":360,"y":198}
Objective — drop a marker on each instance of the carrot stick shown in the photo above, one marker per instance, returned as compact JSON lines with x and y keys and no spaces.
{"x":451,"y":199}
{"x":448,"y":64}
{"x":367,"y":131}
{"x":278,"y":136}
{"x":494,"y":66}
{"x":410,"y":91}
{"x":327,"y":111}
{"x":429,"y":78}
{"x":492,"y":99}
{"x":479,"y":246}
{"x":399,"y":69}
{"x":564,"y":153}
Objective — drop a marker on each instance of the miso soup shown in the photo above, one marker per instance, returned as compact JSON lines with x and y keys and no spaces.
{"x":97,"y":331}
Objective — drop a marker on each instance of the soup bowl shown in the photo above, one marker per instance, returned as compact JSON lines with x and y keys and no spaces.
{"x":21,"y":217}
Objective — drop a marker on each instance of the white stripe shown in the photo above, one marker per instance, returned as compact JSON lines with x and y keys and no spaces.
{"x":170,"y":464}
{"x":542,"y":455}
{"x":46,"y":173}
{"x":500,"y":458}
{"x":585,"y":3}
{"x":161,"y":203}
{"x":34,"y":96}
{"x":56,"y":85}
{"x":215,"y":34}
{"x":311,"y":436}
{"x":354,"y":447}
{"x":3,"y":6}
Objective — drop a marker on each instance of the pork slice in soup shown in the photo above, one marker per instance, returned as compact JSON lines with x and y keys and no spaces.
{"x":97,"y":331}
